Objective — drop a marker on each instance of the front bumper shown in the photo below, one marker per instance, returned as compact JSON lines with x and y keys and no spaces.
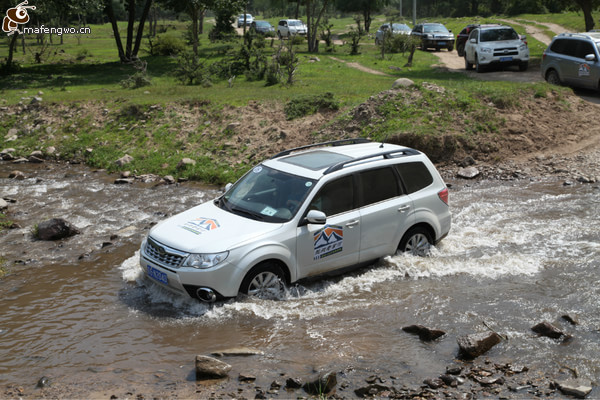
{"x":438,"y":42}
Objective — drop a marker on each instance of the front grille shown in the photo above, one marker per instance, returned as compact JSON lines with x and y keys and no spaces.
{"x":163,"y":255}
{"x":507,"y":51}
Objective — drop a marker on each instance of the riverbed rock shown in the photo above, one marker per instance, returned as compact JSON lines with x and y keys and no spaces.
{"x":35,"y":160}
{"x":425,"y":334}
{"x":124,"y":181}
{"x":210,"y":368}
{"x":579,"y":388}
{"x":238,"y":352}
{"x":293,"y":383}
{"x":372,"y":390}
{"x":18,"y":175}
{"x":126,"y":159}
{"x":547,"y":329}
{"x":56,"y":229}
{"x":324,"y":384}
{"x":468,"y":173}
{"x":570,"y":319}
{"x":474,"y":345}
{"x":3,"y":204}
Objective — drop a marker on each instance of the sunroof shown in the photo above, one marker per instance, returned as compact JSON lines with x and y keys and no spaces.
{"x":315,"y":160}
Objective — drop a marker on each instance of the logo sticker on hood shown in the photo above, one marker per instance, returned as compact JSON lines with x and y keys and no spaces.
{"x":201,"y":225}
{"x":328,"y":241}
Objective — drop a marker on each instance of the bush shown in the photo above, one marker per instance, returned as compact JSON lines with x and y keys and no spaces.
{"x":138,"y":79}
{"x":190,"y":71}
{"x":168,"y":44}
{"x":308,"y":105}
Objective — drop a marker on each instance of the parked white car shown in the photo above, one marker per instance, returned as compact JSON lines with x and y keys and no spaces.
{"x":240,"y":20}
{"x":291,"y":27}
{"x":495,"y":45}
{"x":396,"y":29}
{"x":304,"y":212}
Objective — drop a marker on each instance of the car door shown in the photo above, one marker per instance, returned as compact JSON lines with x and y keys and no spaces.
{"x":471,"y":48}
{"x":384,"y":213}
{"x":335,"y":244}
{"x":587,"y":71}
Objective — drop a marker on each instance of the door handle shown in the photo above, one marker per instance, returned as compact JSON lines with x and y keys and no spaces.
{"x":352,"y":224}
{"x":403,"y":209}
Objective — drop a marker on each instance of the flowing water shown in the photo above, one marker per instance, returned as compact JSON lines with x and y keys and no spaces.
{"x":77,"y":310}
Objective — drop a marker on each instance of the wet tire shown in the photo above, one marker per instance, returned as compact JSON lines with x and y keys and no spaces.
{"x":450,"y":48}
{"x":553,"y":78}
{"x":265,"y":281}
{"x":478,"y":67}
{"x":460,"y":49}
{"x":417,"y":241}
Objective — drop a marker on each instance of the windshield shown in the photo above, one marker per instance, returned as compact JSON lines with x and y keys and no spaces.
{"x":493,"y":35}
{"x":262,"y":23}
{"x":295,"y":23}
{"x":267,"y":194}
{"x":401,"y":27}
{"x":438,"y":28}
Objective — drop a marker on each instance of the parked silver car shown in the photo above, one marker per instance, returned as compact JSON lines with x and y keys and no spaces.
{"x":573,"y":59}
{"x":396,"y":29}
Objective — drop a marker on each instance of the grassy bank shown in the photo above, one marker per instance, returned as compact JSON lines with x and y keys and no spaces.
{"x":86,"y":115}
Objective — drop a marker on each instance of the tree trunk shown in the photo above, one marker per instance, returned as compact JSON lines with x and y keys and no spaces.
{"x":201,"y":21}
{"x":587,"y":7}
{"x":140,"y":32}
{"x":313,"y":23}
{"x":113,"y":21}
{"x":130,"y":24}
{"x":367,"y":16}
{"x":11,"y":52}
{"x":194,"y":13}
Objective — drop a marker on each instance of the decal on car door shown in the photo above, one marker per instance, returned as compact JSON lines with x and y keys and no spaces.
{"x":328,"y":240}
{"x":584,"y":70}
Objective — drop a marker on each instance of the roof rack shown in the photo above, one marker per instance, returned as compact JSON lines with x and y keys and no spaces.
{"x":386,"y":155}
{"x":341,"y":142}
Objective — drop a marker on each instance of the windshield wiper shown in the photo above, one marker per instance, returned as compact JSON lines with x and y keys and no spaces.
{"x":251,"y":214}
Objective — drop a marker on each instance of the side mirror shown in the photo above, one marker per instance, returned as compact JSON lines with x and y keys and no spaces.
{"x":228,"y":186}
{"x":316,"y":217}
{"x":473,"y":41}
{"x":590,"y":57}
{"x":523,"y":37}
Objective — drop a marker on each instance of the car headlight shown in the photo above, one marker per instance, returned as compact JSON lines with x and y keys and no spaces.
{"x":485,"y":50}
{"x":203,"y":261}
{"x":523,"y":47}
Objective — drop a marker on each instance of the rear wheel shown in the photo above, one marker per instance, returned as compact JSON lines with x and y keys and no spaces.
{"x":265,"y":281}
{"x":417,"y":241}
{"x":553,"y":78}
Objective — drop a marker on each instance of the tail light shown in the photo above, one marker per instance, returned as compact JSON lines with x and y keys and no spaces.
{"x":443,"y":195}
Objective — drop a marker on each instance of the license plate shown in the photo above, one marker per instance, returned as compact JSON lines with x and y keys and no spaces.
{"x":442,"y":43}
{"x":505,"y":58}
{"x":157,"y":275}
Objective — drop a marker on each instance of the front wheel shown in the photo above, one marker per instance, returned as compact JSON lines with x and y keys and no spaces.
{"x":265,"y":281}
{"x":478,"y":67}
{"x":523,"y":66}
{"x":450,"y":48}
{"x":417,"y":241}
{"x":468,"y":65}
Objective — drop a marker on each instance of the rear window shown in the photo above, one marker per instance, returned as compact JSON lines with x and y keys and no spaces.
{"x":415,"y":176}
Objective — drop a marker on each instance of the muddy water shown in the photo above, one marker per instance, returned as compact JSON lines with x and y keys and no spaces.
{"x":79,"y":313}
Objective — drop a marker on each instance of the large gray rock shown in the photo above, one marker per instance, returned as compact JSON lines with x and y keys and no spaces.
{"x":425,"y":334}
{"x":472,"y":346}
{"x":3,"y":204}
{"x":468,"y":173}
{"x":56,"y":229}
{"x":402,"y":82}
{"x":210,"y":368}
{"x":184,"y":163}
{"x":238,"y":351}
{"x":579,"y":388}
{"x":547,"y":329}
{"x":126,"y":159}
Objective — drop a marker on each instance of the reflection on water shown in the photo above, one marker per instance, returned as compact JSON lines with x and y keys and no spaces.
{"x":517,"y":254}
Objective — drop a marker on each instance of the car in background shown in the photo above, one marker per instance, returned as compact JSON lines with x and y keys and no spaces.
{"x":434,"y":35}
{"x":263,"y":27}
{"x":573,"y":59}
{"x":462,"y":37}
{"x":396,"y":29}
{"x":500,"y":45}
{"x":304,"y":212}
{"x":291,"y":27}
{"x":240,"y":20}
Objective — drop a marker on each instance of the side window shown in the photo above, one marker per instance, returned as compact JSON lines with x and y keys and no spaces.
{"x":473,"y":34}
{"x":559,"y":46}
{"x":415,"y":176}
{"x":377,"y":185}
{"x":335,"y":197}
{"x":584,"y":48}
{"x":280,"y":23}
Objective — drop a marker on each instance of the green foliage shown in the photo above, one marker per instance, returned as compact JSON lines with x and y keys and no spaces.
{"x":399,"y":43}
{"x":139,"y":79}
{"x":307,"y":105}
{"x":167,"y":44}
{"x":191,"y":71}
{"x":355,"y":36}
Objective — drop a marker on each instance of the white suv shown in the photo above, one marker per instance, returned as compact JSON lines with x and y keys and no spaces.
{"x":304,"y":212}
{"x":290,"y":27}
{"x":495,"y":45}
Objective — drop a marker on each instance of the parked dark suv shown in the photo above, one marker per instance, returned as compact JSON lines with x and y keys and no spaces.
{"x":434,"y":35}
{"x":573,"y":59}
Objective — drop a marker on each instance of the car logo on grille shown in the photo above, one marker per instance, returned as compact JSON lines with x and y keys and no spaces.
{"x":161,"y":250}
{"x":506,"y":51}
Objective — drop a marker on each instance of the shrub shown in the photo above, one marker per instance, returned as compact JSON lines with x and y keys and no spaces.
{"x":191,"y":71}
{"x":168,"y":44}
{"x":308,"y":105}
{"x":138,"y":79}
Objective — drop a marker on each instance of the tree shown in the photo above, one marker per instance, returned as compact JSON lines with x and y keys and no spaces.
{"x":196,"y":10}
{"x":366,"y":7}
{"x":314,"y":12}
{"x":225,"y":11}
{"x":132,"y":48}
{"x":587,"y":6}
